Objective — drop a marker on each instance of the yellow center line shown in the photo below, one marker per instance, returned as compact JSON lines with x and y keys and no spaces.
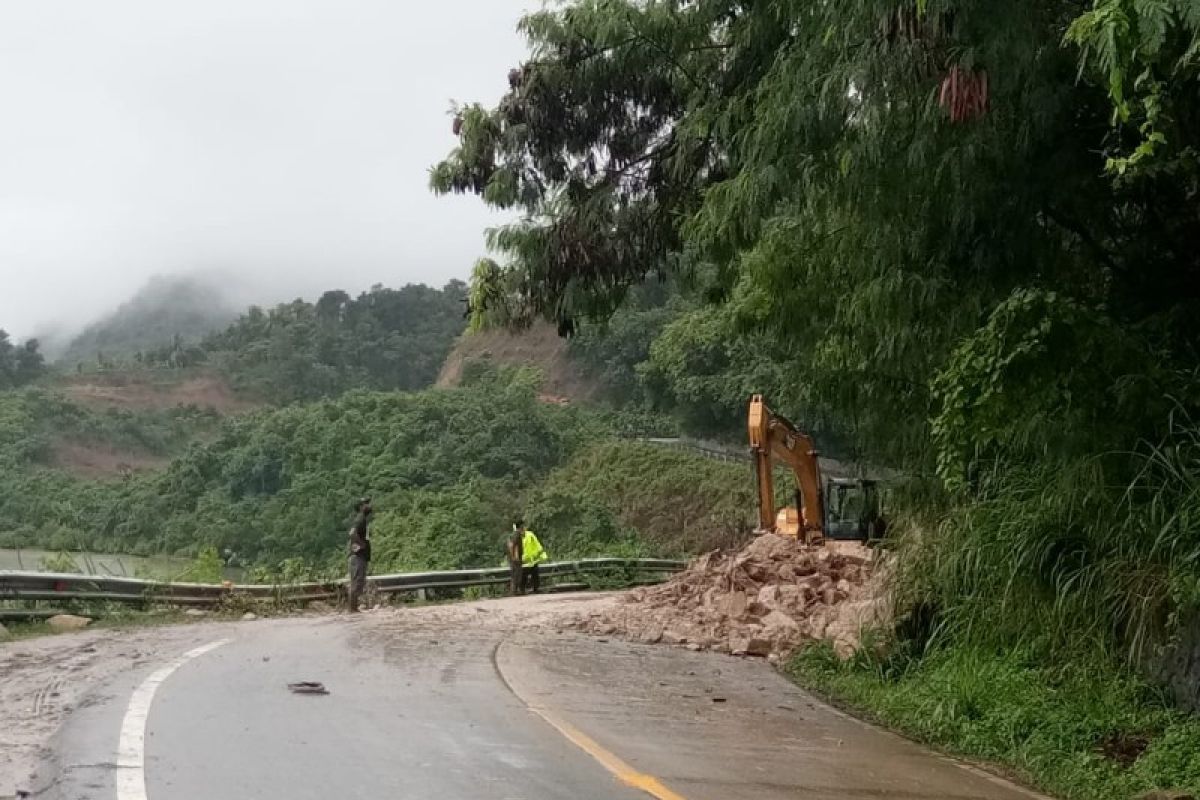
{"x":610,"y":761}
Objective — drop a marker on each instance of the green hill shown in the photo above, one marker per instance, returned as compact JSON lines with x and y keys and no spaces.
{"x":165,"y":310}
{"x":448,"y":470}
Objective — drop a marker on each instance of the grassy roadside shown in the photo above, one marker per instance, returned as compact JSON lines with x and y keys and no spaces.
{"x":1082,"y":730}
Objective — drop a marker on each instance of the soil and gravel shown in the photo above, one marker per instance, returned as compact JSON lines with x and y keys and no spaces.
{"x":44,"y":678}
{"x":563,"y":381}
{"x":765,"y":600}
{"x":135,"y":392}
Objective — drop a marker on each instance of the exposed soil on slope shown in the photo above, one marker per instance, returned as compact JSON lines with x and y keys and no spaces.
{"x":140,"y":392}
{"x":100,"y":462}
{"x":540,"y":346}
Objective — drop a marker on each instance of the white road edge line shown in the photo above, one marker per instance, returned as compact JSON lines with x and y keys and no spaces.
{"x":131,"y":749}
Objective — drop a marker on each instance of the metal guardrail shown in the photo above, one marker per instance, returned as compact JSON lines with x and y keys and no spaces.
{"x":17,"y":585}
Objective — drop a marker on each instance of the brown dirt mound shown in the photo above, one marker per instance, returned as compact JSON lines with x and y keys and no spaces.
{"x":766,"y":600}
{"x":540,"y":346}
{"x":137,"y":392}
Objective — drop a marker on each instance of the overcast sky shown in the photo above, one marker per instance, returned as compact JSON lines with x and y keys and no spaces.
{"x":283,"y":143}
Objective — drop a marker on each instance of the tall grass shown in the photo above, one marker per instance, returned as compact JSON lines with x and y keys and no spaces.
{"x":1041,"y":610}
{"x":1102,"y":551}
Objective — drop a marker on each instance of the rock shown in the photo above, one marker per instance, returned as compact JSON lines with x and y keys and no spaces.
{"x":786,"y":597}
{"x":811,"y":582}
{"x":670,"y":636}
{"x":777,"y":623}
{"x":248,"y":616}
{"x":68,"y":622}
{"x":694,"y":646}
{"x":735,"y":604}
{"x":760,"y":648}
{"x":766,"y":598}
{"x":817,"y":624}
{"x":196,"y":612}
{"x":749,"y":646}
{"x":652,"y":635}
{"x":771,"y":546}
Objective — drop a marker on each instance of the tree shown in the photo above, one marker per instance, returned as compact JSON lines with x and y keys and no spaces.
{"x":384,"y":338}
{"x":865,"y":183}
{"x":20,"y":364}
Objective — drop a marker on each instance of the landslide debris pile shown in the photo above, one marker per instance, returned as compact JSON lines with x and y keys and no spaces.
{"x":765,"y":600}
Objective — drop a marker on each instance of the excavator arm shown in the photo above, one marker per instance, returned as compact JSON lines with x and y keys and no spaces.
{"x":772,"y":436}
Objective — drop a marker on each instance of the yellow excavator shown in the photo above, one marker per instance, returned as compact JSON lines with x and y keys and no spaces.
{"x":833,"y":508}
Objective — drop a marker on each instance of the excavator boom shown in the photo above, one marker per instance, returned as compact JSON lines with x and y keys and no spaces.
{"x":772,"y":436}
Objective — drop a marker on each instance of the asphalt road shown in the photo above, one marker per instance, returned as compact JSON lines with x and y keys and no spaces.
{"x":455,"y":705}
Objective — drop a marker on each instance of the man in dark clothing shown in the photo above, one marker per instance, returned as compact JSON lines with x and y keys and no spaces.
{"x":360,"y":553}
{"x":513,"y":551}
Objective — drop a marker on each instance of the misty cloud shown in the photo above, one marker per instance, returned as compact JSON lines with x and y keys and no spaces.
{"x":282,"y":143}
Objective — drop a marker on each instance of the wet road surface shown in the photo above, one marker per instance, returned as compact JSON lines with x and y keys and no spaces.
{"x":457,"y":704}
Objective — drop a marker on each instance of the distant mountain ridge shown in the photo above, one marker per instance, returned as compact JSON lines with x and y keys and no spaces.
{"x":166,"y":307}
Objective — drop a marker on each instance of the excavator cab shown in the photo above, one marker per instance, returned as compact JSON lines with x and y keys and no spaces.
{"x":852,"y":509}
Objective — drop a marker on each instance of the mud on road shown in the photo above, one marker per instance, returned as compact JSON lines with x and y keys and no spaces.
{"x":42,"y":680}
{"x":703,"y":724}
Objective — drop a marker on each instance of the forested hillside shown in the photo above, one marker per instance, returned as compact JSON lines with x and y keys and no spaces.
{"x":169,"y":314}
{"x":448,"y":470}
{"x":383,"y":339}
{"x":958,"y":236}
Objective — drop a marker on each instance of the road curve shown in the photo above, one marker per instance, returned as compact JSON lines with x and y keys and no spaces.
{"x":477,"y":701}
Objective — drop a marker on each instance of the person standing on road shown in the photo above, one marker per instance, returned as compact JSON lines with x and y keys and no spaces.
{"x":512,"y":547}
{"x":532,"y":554}
{"x":360,"y":553}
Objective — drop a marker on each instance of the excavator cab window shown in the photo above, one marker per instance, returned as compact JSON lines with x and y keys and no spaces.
{"x":851,"y":507}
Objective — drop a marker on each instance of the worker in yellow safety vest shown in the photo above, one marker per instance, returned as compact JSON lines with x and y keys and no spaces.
{"x":532,"y":554}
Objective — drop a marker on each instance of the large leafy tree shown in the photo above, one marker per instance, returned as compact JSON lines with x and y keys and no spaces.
{"x":868,"y":180}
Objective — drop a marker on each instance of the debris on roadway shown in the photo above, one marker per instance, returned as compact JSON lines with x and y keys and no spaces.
{"x":61,"y":623}
{"x":307,"y":687}
{"x":764,"y":600}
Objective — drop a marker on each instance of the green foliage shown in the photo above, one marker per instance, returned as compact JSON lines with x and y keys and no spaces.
{"x":383,"y":339}
{"x":60,"y":562}
{"x":20,"y":364}
{"x":206,"y":567}
{"x":1006,"y":394}
{"x":162,"y":322}
{"x":678,"y":502}
{"x":1147,"y":52}
{"x":1076,"y":729}
{"x":616,"y":348}
{"x":796,"y":161}
{"x":1049,"y":555}
{"x":694,"y":366}
{"x":448,"y":470}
